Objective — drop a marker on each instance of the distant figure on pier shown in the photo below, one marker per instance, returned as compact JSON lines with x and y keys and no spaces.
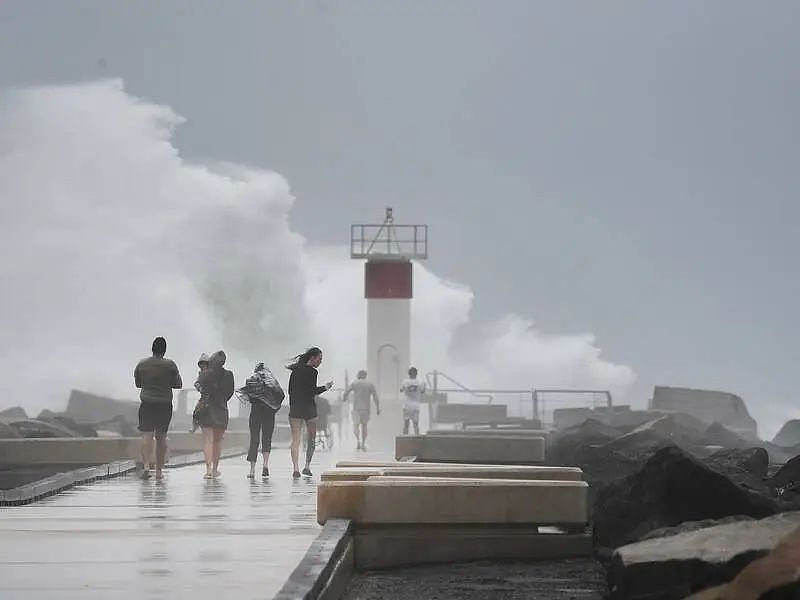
{"x":265,"y":396}
{"x":216,"y":383}
{"x":364,"y":393}
{"x":413,"y":389}
{"x":302,"y":409}
{"x":156,"y":376}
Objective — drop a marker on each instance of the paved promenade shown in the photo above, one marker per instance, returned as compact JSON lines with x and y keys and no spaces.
{"x":185,"y":537}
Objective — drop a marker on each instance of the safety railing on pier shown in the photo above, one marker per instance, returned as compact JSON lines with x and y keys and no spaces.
{"x":531,"y":403}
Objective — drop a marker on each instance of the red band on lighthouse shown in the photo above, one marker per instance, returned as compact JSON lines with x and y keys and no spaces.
{"x":388,"y":279}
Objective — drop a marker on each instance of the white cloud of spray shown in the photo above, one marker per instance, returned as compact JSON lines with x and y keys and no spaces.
{"x":109,"y":237}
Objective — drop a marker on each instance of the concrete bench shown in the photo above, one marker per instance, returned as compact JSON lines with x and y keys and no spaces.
{"x":469,"y":448}
{"x":456,"y":471}
{"x":424,"y":500}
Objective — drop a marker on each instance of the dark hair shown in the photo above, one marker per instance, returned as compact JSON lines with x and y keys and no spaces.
{"x":412,"y":372}
{"x":362,"y":374}
{"x":159,"y":346}
{"x":303,"y":358}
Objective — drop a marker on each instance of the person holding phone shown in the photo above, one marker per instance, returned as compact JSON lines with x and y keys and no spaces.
{"x":303,"y":389}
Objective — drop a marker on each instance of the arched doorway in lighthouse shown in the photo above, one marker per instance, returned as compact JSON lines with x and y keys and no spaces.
{"x":388,"y":377}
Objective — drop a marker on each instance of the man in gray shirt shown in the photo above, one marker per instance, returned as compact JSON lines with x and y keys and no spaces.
{"x":363,"y":391}
{"x":156,"y":376}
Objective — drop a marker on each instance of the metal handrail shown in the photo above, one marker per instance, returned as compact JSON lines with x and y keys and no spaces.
{"x":461,"y":386}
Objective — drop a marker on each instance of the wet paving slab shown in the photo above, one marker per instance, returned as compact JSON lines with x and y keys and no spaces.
{"x":185,"y":537}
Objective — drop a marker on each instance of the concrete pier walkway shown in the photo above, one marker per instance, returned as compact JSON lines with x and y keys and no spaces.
{"x":185,"y":537}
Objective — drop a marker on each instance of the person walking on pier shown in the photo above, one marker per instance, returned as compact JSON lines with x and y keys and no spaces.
{"x":413,"y":389}
{"x":363,"y":393}
{"x":265,"y":395}
{"x":156,"y":376}
{"x":202,"y":404}
{"x":302,"y":408}
{"x":216,"y":383}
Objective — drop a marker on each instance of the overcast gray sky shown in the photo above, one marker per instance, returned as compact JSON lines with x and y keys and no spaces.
{"x":623,"y":168}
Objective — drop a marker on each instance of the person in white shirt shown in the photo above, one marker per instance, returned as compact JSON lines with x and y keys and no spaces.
{"x":413,"y":389}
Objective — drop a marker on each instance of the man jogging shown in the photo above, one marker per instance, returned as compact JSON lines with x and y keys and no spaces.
{"x":363,"y":392}
{"x":156,"y":376}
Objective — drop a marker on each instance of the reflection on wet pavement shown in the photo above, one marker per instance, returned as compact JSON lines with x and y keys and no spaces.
{"x":184,"y":537}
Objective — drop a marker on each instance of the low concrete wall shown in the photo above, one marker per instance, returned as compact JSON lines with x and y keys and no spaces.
{"x":469,"y":448}
{"x":93,"y":451}
{"x":399,"y":501}
{"x":326,"y":568}
{"x":390,"y":547}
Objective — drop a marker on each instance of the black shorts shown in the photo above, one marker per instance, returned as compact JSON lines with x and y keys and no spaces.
{"x":155,"y":417}
{"x":306,"y":411}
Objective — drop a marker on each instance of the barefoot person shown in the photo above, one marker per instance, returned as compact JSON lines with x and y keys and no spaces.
{"x":412,"y":389}
{"x":216,"y":383}
{"x":363,"y":392}
{"x":156,"y":376}
{"x":264,"y":395}
{"x":302,"y":408}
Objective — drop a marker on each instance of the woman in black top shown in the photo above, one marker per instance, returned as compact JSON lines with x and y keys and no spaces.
{"x":216,"y":384}
{"x":302,"y":407}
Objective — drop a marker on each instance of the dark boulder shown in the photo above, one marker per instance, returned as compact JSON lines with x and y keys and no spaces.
{"x":82,"y":429}
{"x":789,"y":434}
{"x":788,"y":476}
{"x":33,"y":428}
{"x":719,"y":435}
{"x":692,"y":526}
{"x":671,"y":488}
{"x":564,"y":447}
{"x":754,"y":461}
{"x":118,"y":425}
{"x":60,"y":419}
{"x":775,"y":576}
{"x":15,"y":413}
{"x":672,"y":567}
{"x":7,"y":431}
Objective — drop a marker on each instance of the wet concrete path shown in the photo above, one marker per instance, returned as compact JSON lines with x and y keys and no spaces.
{"x":185,"y":537}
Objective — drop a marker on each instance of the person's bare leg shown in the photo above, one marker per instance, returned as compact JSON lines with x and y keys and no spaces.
{"x":416,"y":426}
{"x":266,"y":460}
{"x":161,"y":454}
{"x":219,"y":433}
{"x":147,"y":452}
{"x":311,"y":428}
{"x":363,"y":436}
{"x":208,"y":449}
{"x":405,"y":426}
{"x":356,"y":432}
{"x":297,"y":426}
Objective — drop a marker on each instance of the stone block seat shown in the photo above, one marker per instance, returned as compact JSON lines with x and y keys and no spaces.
{"x":468,"y":447}
{"x":401,"y":518}
{"x":487,"y":431}
{"x":457,"y":471}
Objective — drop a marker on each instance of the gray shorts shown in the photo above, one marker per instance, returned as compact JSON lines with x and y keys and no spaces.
{"x":361,"y":416}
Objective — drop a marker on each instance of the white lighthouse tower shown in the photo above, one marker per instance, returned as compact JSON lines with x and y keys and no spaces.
{"x":388,"y":287}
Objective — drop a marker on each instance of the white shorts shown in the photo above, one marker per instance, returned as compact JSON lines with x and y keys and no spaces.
{"x":411,"y":414}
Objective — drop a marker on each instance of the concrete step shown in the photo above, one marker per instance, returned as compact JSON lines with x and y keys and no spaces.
{"x":468,"y":448}
{"x":390,"y":547}
{"x":425,"y":500}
